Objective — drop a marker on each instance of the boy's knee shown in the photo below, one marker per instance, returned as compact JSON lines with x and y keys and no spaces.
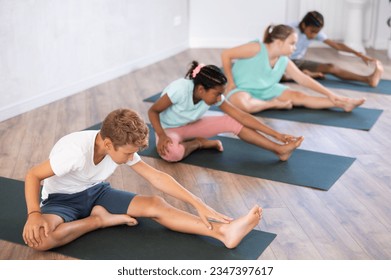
{"x":156,"y":203}
{"x":42,"y":248}
{"x":44,"y":245}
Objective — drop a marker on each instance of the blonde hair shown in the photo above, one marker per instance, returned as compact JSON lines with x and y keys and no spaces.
{"x":125,"y":126}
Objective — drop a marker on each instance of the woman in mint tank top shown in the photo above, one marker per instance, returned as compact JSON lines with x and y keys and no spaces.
{"x":253,"y":81}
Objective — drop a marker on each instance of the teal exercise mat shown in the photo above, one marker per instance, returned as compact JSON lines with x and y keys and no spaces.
{"x":384,"y":86}
{"x":360,"y":118}
{"x":304,"y":168}
{"x":146,"y":241}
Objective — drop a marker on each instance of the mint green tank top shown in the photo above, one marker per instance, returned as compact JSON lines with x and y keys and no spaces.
{"x":255,"y":76}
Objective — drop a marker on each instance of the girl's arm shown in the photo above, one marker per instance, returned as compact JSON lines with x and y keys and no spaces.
{"x":153,"y":113}
{"x":167,"y":184}
{"x":250,"y":121}
{"x":344,"y":48}
{"x":228,"y":55}
{"x":302,"y":79}
{"x":35,"y":221}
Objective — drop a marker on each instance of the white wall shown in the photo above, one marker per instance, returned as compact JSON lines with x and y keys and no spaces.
{"x":382,"y":33}
{"x":334,"y":12}
{"x":226,"y":23}
{"x":50,"y":49}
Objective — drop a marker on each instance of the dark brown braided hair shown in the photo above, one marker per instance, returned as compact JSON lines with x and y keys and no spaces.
{"x":209,"y":76}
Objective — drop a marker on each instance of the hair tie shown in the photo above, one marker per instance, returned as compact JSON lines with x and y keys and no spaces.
{"x":270,"y":30}
{"x":197,"y":70}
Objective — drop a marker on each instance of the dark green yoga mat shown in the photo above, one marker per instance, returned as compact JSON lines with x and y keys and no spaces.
{"x":304,"y":168}
{"x":359,"y":118}
{"x":384,"y":86}
{"x":146,"y":241}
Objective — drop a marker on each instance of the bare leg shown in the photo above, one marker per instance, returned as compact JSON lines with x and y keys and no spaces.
{"x":177,"y":220}
{"x":317,"y":102}
{"x":67,"y":232}
{"x":376,"y":75}
{"x":247,"y":103}
{"x":371,"y":80}
{"x":282,"y":151}
{"x":201,"y":143}
{"x":314,"y":75}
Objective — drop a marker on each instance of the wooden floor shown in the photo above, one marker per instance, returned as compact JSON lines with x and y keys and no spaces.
{"x":350,"y":221}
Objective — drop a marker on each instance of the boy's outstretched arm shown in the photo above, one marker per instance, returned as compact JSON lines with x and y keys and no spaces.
{"x":342,"y":47}
{"x":31,"y":231}
{"x":169,"y":185}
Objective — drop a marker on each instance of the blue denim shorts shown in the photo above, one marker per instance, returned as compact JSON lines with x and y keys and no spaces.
{"x":76,"y":206}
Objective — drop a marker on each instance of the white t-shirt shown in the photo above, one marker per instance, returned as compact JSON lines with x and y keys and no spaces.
{"x":303,"y":42}
{"x":72,"y":160}
{"x":183,"y":110}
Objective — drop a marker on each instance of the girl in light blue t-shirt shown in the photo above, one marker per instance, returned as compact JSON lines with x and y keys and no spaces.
{"x":253,"y":81}
{"x":181,"y":127}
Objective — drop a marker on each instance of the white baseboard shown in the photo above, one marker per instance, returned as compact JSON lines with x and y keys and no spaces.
{"x":230,"y":42}
{"x":47,"y":97}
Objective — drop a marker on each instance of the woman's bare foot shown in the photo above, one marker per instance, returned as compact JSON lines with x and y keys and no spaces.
{"x":348,"y":104}
{"x":235,"y":231}
{"x":285,"y":151}
{"x":210,"y":144}
{"x":314,"y":75}
{"x":108,"y":220}
{"x":376,"y":75}
{"x":279,"y":104}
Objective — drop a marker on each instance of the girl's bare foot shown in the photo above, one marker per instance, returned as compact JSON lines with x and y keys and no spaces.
{"x":348,"y":104}
{"x":376,"y":75}
{"x":235,"y":231}
{"x":314,"y":75}
{"x":285,"y":151}
{"x":210,"y":144}
{"x":279,"y":104}
{"x":107,"y":219}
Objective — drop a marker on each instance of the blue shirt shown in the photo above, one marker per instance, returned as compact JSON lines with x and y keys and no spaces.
{"x":303,"y":42}
{"x":183,"y":110}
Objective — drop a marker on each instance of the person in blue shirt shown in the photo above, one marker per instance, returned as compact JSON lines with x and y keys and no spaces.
{"x":309,"y":29}
{"x":181,"y":127}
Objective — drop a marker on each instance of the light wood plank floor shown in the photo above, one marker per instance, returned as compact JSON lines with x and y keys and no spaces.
{"x":350,"y":221}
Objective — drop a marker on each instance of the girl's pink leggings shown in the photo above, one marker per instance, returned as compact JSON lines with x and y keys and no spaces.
{"x":205,"y":127}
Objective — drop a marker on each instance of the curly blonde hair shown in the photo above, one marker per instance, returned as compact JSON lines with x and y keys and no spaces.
{"x":125,"y":126}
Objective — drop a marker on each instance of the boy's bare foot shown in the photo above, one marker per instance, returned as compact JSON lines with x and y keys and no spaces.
{"x":210,"y":144}
{"x":286,"y":150}
{"x":314,"y":75}
{"x":106,"y":219}
{"x":235,"y":231}
{"x":279,"y":104}
{"x":376,"y":75}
